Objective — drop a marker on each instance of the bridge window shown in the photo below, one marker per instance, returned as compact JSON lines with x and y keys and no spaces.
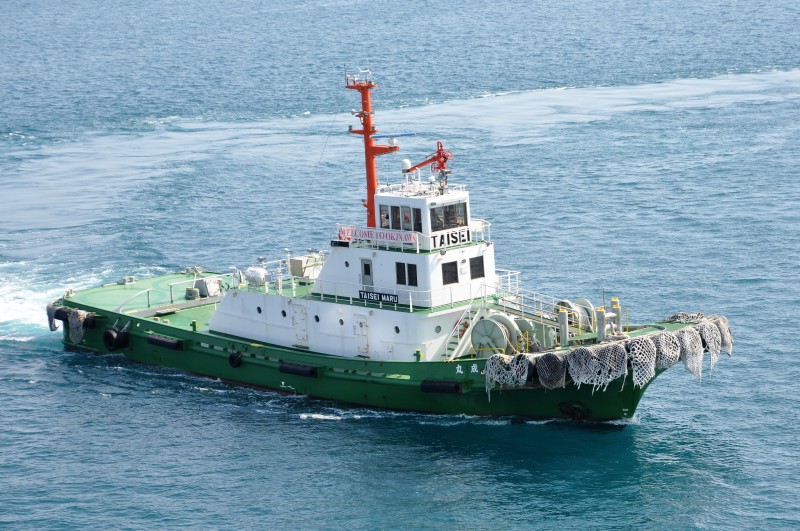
{"x":449,"y":273}
{"x":384,"y":216}
{"x":396,"y":217}
{"x":417,"y":220}
{"x":400,"y":218}
{"x":406,"y":211}
{"x":448,"y":217}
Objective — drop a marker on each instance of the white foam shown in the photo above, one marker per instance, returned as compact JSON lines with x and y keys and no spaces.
{"x":525,"y":116}
{"x":318,"y":416}
{"x":633,"y":421}
{"x":23,"y":303}
{"x":20,"y":339}
{"x":123,"y":161}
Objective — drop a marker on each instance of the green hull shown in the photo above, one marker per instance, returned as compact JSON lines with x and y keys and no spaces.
{"x":178,"y":337}
{"x":391,"y":385}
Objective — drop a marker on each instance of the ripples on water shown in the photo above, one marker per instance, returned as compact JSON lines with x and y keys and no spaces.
{"x":665,"y":176}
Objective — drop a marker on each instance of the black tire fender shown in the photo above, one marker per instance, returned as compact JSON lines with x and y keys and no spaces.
{"x":114,"y":339}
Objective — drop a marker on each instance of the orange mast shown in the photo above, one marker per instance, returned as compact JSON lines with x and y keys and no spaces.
{"x":371,"y":149}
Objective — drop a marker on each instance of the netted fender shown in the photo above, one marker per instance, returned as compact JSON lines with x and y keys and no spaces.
{"x":668,"y":349}
{"x":712,"y":339}
{"x":582,"y":366}
{"x":726,"y":337}
{"x":643,"y":359}
{"x":612,"y":363}
{"x":691,"y":350}
{"x":552,"y":370}
{"x":511,"y":371}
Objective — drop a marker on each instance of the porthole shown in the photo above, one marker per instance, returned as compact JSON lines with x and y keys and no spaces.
{"x":316,"y":318}
{"x":341,"y":322}
{"x":258,"y":309}
{"x":438,"y":329}
{"x":346,"y":263}
{"x":396,"y":329}
{"x":283,"y":313}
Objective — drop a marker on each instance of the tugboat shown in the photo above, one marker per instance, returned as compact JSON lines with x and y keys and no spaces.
{"x":406,"y":312}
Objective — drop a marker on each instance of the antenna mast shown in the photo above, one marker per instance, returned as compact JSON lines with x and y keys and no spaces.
{"x":371,"y":149}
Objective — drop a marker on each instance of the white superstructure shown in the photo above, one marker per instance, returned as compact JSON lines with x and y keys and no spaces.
{"x":393,"y":291}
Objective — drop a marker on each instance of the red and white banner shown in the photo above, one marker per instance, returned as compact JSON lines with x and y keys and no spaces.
{"x":377,"y":235}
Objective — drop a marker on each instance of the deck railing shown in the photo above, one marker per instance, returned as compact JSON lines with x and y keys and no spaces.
{"x":538,"y":306}
{"x":192,"y":281}
{"x":129,"y":299}
{"x":505,"y":291}
{"x":401,"y":299}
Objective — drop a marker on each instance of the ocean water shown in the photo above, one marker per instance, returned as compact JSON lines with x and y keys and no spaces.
{"x":644,"y":150}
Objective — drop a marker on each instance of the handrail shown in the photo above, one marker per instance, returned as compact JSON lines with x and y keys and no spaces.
{"x":192,"y":281}
{"x":424,"y":298}
{"x":480,"y":229}
{"x":334,"y":287}
{"x":453,"y":333}
{"x":417,"y":186}
{"x":121,"y":306}
{"x":466,"y":312}
{"x":506,"y":290}
{"x":538,"y":304}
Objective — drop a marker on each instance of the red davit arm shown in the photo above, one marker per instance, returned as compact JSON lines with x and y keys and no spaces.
{"x":371,"y":149}
{"x":438,"y":160}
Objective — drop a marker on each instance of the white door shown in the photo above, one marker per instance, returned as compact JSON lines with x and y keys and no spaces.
{"x":362,"y":335}
{"x":299,"y":322}
{"x":366,"y":273}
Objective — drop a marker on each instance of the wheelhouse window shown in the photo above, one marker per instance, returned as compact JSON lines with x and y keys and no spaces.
{"x":476,"y":267}
{"x":396,"y":217}
{"x":400,"y":218}
{"x":417,"y":219}
{"x":448,"y":216}
{"x":449,"y":273}
{"x":407,"y":223}
{"x":384,"y":216}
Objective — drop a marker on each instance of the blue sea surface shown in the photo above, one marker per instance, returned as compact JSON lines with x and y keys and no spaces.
{"x":645,"y":150}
